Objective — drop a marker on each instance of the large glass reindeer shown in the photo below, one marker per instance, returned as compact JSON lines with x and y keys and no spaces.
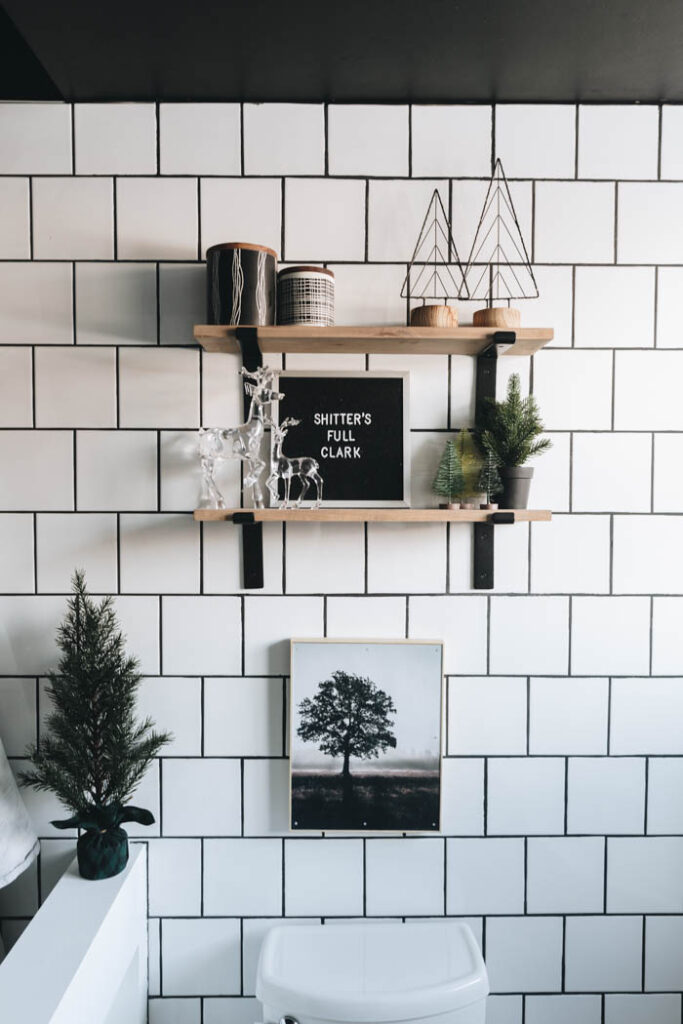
{"x":244,"y":442}
{"x":284,"y":468}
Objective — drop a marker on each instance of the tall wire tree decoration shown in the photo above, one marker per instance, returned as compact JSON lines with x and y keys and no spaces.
{"x":499,"y":269}
{"x":431,"y":274}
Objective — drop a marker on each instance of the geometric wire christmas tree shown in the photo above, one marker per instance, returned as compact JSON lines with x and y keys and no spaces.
{"x":499,"y":267}
{"x":434,"y":255}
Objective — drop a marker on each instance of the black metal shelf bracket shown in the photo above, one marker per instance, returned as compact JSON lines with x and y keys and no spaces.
{"x":252,"y":532}
{"x":484,"y":539}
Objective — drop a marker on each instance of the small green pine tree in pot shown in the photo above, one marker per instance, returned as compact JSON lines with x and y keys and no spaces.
{"x":510,"y":433}
{"x":449,"y":482}
{"x":94,"y":752}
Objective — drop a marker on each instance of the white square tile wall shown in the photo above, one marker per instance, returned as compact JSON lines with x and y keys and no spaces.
{"x":486,"y":876}
{"x":16,"y":387}
{"x":561,"y":814}
{"x":519,"y":131}
{"x":454,"y":140}
{"x":368,"y":140}
{"x":325,"y":219}
{"x":565,"y":875}
{"x":588,"y":970}
{"x":574,"y":222}
{"x":643,"y":875}
{"x":156,"y":218}
{"x":199,"y":138}
{"x":116,"y":303}
{"x":15,"y":215}
{"x":233,"y":209}
{"x":37,"y":138}
{"x":284,"y":138}
{"x":119,"y":138}
{"x":606,"y":141}
{"x":73,"y":218}
{"x":36,"y":304}
{"x":309,"y":865}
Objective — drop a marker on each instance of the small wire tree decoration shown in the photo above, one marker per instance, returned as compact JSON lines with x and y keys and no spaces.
{"x":499,"y":268}
{"x":429,"y":274}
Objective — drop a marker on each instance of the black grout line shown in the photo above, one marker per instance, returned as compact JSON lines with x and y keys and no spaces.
{"x":659,"y":141}
{"x":199,"y":219}
{"x":367,"y":222}
{"x":242,"y":140}
{"x":72,"y":110}
{"x":576,"y":141}
{"x":157,"y":137}
{"x":283,"y":208}
{"x":115,"y":215}
{"x":30,"y":218}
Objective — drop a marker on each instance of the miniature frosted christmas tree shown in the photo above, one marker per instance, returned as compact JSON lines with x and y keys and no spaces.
{"x":499,"y":269}
{"x":490,"y":483}
{"x":435,"y":271}
{"x":470,"y":460}
{"x":449,"y":482}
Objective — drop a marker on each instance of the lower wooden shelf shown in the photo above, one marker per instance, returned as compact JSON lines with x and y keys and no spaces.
{"x":371,"y":515}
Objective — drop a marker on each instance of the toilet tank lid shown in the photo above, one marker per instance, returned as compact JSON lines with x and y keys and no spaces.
{"x":370,"y":972}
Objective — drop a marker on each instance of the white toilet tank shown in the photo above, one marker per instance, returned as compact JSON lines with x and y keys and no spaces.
{"x":372,"y":974}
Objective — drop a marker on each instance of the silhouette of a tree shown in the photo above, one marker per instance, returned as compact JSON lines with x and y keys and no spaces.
{"x":349,"y":716}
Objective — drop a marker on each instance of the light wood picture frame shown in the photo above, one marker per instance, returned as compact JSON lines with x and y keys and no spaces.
{"x":365,"y":743}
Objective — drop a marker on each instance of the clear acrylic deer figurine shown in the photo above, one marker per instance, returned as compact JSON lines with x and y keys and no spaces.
{"x":244,"y":442}
{"x":284,"y":468}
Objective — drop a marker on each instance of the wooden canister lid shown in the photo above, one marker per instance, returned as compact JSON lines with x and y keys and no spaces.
{"x":241,"y":245}
{"x":305,"y":270}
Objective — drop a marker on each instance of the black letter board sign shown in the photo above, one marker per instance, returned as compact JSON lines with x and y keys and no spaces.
{"x":355,"y":425}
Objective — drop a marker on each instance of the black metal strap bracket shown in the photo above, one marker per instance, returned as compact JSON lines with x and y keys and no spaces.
{"x":484,"y":539}
{"x":252,"y":532}
{"x":252,"y":357}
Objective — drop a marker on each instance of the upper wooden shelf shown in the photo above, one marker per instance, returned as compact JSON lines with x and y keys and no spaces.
{"x":371,"y":515}
{"x":466,"y":341}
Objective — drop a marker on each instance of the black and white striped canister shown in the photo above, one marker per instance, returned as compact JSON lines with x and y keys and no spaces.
{"x":305,"y":295}
{"x":240,"y":284}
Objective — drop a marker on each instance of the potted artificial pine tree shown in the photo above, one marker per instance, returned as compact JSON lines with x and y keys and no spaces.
{"x":449,"y":482}
{"x":510,"y":434}
{"x":94,"y":751}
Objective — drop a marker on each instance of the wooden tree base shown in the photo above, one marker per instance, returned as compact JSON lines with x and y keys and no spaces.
{"x":500,"y":316}
{"x":434,"y":316}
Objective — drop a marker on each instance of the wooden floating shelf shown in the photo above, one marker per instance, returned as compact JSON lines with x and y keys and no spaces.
{"x":466,"y":341}
{"x":371,"y":515}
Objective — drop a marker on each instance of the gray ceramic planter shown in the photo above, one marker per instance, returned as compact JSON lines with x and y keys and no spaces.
{"x":516,"y":482}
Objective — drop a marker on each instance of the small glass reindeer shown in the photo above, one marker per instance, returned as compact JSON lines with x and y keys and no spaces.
{"x":284,"y":468}
{"x":244,"y":442}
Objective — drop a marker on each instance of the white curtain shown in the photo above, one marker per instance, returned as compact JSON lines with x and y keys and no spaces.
{"x":18,"y":842}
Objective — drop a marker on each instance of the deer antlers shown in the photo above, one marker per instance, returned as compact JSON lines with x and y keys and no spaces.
{"x":280,"y":429}
{"x":261,"y":375}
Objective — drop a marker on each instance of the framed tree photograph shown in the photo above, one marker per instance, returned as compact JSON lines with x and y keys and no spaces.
{"x":355,"y":425}
{"x":365,"y":735}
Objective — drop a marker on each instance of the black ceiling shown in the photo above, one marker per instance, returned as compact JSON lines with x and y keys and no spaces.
{"x":347,"y":50}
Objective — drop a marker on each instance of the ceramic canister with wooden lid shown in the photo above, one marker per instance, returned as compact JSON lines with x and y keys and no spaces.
{"x":305,"y":295}
{"x":241,"y":280}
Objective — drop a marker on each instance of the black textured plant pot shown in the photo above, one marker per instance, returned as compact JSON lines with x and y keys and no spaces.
{"x":516,"y":482}
{"x":102,"y":854}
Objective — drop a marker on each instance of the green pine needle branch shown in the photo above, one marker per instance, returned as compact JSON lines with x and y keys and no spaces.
{"x":94,"y":752}
{"x":511,"y":429}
